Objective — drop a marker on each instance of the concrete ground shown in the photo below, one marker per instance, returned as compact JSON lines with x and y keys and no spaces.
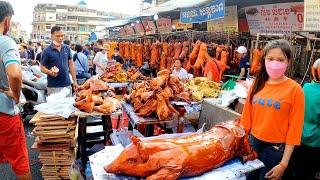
{"x":5,"y":169}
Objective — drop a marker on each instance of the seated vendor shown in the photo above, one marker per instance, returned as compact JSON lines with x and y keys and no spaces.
{"x":179,"y":72}
{"x":117,"y":57}
{"x":244,"y":64}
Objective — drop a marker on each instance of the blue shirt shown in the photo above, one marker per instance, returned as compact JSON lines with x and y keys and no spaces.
{"x":81,"y":63}
{"x":86,"y":52}
{"x":245,"y":63}
{"x":52,"y":57}
{"x":9,"y":54}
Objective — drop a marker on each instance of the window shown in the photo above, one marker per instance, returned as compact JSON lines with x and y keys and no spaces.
{"x":82,"y":19}
{"x":82,"y":28}
{"x":48,"y":26}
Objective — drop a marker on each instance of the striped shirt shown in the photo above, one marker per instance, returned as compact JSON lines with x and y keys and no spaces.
{"x":9,"y":54}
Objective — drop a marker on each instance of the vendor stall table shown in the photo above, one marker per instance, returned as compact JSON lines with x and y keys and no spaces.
{"x":233,"y":169}
{"x":86,"y":139}
{"x":212,"y":114}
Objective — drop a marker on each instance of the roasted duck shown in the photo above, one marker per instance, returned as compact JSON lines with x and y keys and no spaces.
{"x":152,"y":96}
{"x":95,"y":95}
{"x":202,"y":57}
{"x":108,"y":105}
{"x":146,"y":51}
{"x":256,"y":56}
{"x":121,"y":49}
{"x":188,"y":156}
{"x":163,"y":61}
{"x":126,"y":50}
{"x":165,"y":49}
{"x":86,"y":104}
{"x":171,"y":49}
{"x":177,"y":50}
{"x":155,"y":56}
{"x":139,"y":56}
{"x":185,"y":50}
{"x":133,"y":52}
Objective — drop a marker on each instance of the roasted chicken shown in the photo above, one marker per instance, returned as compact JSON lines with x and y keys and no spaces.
{"x":96,"y":95}
{"x":154,"y":96}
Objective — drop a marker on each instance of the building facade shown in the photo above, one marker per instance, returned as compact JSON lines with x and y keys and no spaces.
{"x":17,"y":32}
{"x":77,"y":21}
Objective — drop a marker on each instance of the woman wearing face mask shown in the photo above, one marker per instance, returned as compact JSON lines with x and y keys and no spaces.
{"x":274,"y":112}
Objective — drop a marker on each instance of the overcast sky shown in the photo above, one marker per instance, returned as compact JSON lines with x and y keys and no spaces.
{"x":24,"y":8}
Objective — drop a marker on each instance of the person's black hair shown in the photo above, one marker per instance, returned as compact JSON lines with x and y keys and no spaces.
{"x":38,"y":44}
{"x":29,"y":43}
{"x":79,"y":48}
{"x":66,"y":42}
{"x":100,"y":41}
{"x":116,"y":49}
{"x":211,"y":50}
{"x":87,"y":45}
{"x":262,"y":75}
{"x":6,"y":10}
{"x":55,"y":29}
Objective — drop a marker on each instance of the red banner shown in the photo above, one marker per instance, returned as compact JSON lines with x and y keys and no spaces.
{"x":122,"y":32}
{"x":139,"y":28}
{"x":164,"y":25}
{"x":149,"y":27}
{"x":129,"y":30}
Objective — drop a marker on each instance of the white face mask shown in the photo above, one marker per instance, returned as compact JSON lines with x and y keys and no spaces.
{"x":56,"y":43}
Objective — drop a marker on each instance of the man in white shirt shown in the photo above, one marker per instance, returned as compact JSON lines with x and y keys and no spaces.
{"x":178,"y":71}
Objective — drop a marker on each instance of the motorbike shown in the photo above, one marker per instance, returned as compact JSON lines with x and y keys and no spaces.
{"x":34,"y":87}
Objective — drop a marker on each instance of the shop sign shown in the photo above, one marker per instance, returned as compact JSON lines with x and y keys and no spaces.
{"x":211,"y":11}
{"x":311,"y":15}
{"x":228,"y":23}
{"x":280,"y":18}
{"x":129,"y":30}
{"x":138,"y":28}
{"x":164,"y":25}
{"x":179,"y":25}
{"x":149,"y":27}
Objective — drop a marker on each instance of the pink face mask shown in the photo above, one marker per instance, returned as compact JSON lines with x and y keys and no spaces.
{"x":276,"y":69}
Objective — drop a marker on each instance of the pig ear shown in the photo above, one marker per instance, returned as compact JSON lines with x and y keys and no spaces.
{"x":135,"y":139}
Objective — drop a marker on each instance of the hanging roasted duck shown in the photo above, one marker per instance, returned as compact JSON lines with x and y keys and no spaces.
{"x":121,"y":49}
{"x":256,"y":56}
{"x":155,"y":56}
{"x":177,"y":50}
{"x":202,"y":57}
{"x":133,"y":52}
{"x":139,"y":56}
{"x":146,"y":50}
{"x":188,"y":156}
{"x":126,"y":50}
{"x":193,"y":55}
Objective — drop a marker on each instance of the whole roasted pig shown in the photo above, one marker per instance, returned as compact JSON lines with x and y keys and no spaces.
{"x":183,"y":157}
